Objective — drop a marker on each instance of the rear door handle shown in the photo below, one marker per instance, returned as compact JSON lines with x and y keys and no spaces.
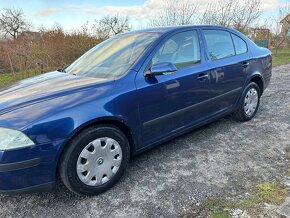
{"x":245,"y":64}
{"x":202,"y":77}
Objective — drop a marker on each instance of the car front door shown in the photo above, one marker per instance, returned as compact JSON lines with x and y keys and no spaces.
{"x":168,"y":103}
{"x":228,"y":61}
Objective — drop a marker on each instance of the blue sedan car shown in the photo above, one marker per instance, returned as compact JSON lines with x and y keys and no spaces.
{"x":126,"y":95}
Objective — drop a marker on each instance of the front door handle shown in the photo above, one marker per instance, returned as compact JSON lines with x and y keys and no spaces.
{"x":245,"y":64}
{"x":202,"y":77}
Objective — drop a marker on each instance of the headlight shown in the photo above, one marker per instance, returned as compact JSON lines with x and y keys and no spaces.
{"x":12,"y":139}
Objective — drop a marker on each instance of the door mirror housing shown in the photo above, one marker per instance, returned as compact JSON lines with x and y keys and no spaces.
{"x":163,"y":68}
{"x":62,"y":69}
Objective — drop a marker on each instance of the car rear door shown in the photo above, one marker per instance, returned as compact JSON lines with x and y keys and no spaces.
{"x":168,"y":103}
{"x":228,"y":60}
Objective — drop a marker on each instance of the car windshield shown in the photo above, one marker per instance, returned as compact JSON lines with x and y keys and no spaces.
{"x":113,"y":57}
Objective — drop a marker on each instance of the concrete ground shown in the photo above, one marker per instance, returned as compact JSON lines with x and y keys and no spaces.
{"x":225,"y":159}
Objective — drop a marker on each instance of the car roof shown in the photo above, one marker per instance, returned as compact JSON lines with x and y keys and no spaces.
{"x":173,"y":28}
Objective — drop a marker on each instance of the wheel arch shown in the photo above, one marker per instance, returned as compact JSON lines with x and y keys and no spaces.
{"x":120,"y":124}
{"x":259,"y":81}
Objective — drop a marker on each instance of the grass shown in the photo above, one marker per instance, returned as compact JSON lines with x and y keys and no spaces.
{"x":7,"y":79}
{"x":282,"y":57}
{"x":271,"y":193}
{"x":217,"y":208}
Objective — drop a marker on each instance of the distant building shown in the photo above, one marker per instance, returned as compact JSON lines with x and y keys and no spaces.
{"x":260,"y":36}
{"x":30,"y":36}
{"x":285,"y":26}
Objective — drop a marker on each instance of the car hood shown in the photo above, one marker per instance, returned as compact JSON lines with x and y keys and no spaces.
{"x":42,"y":88}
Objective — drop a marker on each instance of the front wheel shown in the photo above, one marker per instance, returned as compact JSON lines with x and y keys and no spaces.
{"x":94,"y":160}
{"x":249,"y":103}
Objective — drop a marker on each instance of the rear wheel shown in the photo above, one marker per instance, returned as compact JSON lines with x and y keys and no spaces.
{"x":249,"y":103}
{"x":95,"y":160}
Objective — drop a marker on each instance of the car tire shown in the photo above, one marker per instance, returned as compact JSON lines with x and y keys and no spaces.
{"x":92,"y":150}
{"x":249,"y":103}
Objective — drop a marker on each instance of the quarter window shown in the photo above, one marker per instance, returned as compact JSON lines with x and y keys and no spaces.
{"x":240,"y":45}
{"x":182,"y":49}
{"x":219,"y":44}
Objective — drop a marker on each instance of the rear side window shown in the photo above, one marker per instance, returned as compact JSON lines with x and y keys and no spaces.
{"x":240,"y":45}
{"x":219,"y":44}
{"x":182,"y":49}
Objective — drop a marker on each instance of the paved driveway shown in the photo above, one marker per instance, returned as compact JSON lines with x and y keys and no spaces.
{"x":226,"y":158}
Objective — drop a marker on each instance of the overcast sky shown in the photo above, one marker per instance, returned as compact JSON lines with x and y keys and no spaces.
{"x":71,"y":14}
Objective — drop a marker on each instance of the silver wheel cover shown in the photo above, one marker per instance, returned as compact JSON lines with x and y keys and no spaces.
{"x":99,"y":161}
{"x":251,"y":102}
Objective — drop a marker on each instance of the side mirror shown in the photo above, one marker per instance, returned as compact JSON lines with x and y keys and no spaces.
{"x":62,"y":69}
{"x":163,"y":68}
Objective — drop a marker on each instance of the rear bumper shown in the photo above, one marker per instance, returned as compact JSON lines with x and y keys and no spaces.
{"x":267,"y":80}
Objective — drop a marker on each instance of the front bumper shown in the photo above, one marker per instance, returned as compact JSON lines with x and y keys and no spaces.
{"x":32,"y":189}
{"x":29,"y":169}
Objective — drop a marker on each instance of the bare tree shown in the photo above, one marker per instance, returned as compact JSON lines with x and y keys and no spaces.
{"x":174,"y":12}
{"x":111,"y":25}
{"x":101,"y":32}
{"x":13,"y":22}
{"x":247,"y":12}
{"x":219,"y":13}
{"x":238,"y":14}
{"x":281,"y":26}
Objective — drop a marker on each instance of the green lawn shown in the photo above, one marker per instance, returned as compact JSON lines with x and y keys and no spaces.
{"x":7,"y":79}
{"x":282,"y":57}
{"x":265,"y":193}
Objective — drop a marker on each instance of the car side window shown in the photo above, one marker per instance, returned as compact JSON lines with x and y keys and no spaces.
{"x":240,"y":45}
{"x":182,"y":49}
{"x":219,"y":44}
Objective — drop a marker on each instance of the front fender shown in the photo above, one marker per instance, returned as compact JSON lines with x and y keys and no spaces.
{"x":57,"y":119}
